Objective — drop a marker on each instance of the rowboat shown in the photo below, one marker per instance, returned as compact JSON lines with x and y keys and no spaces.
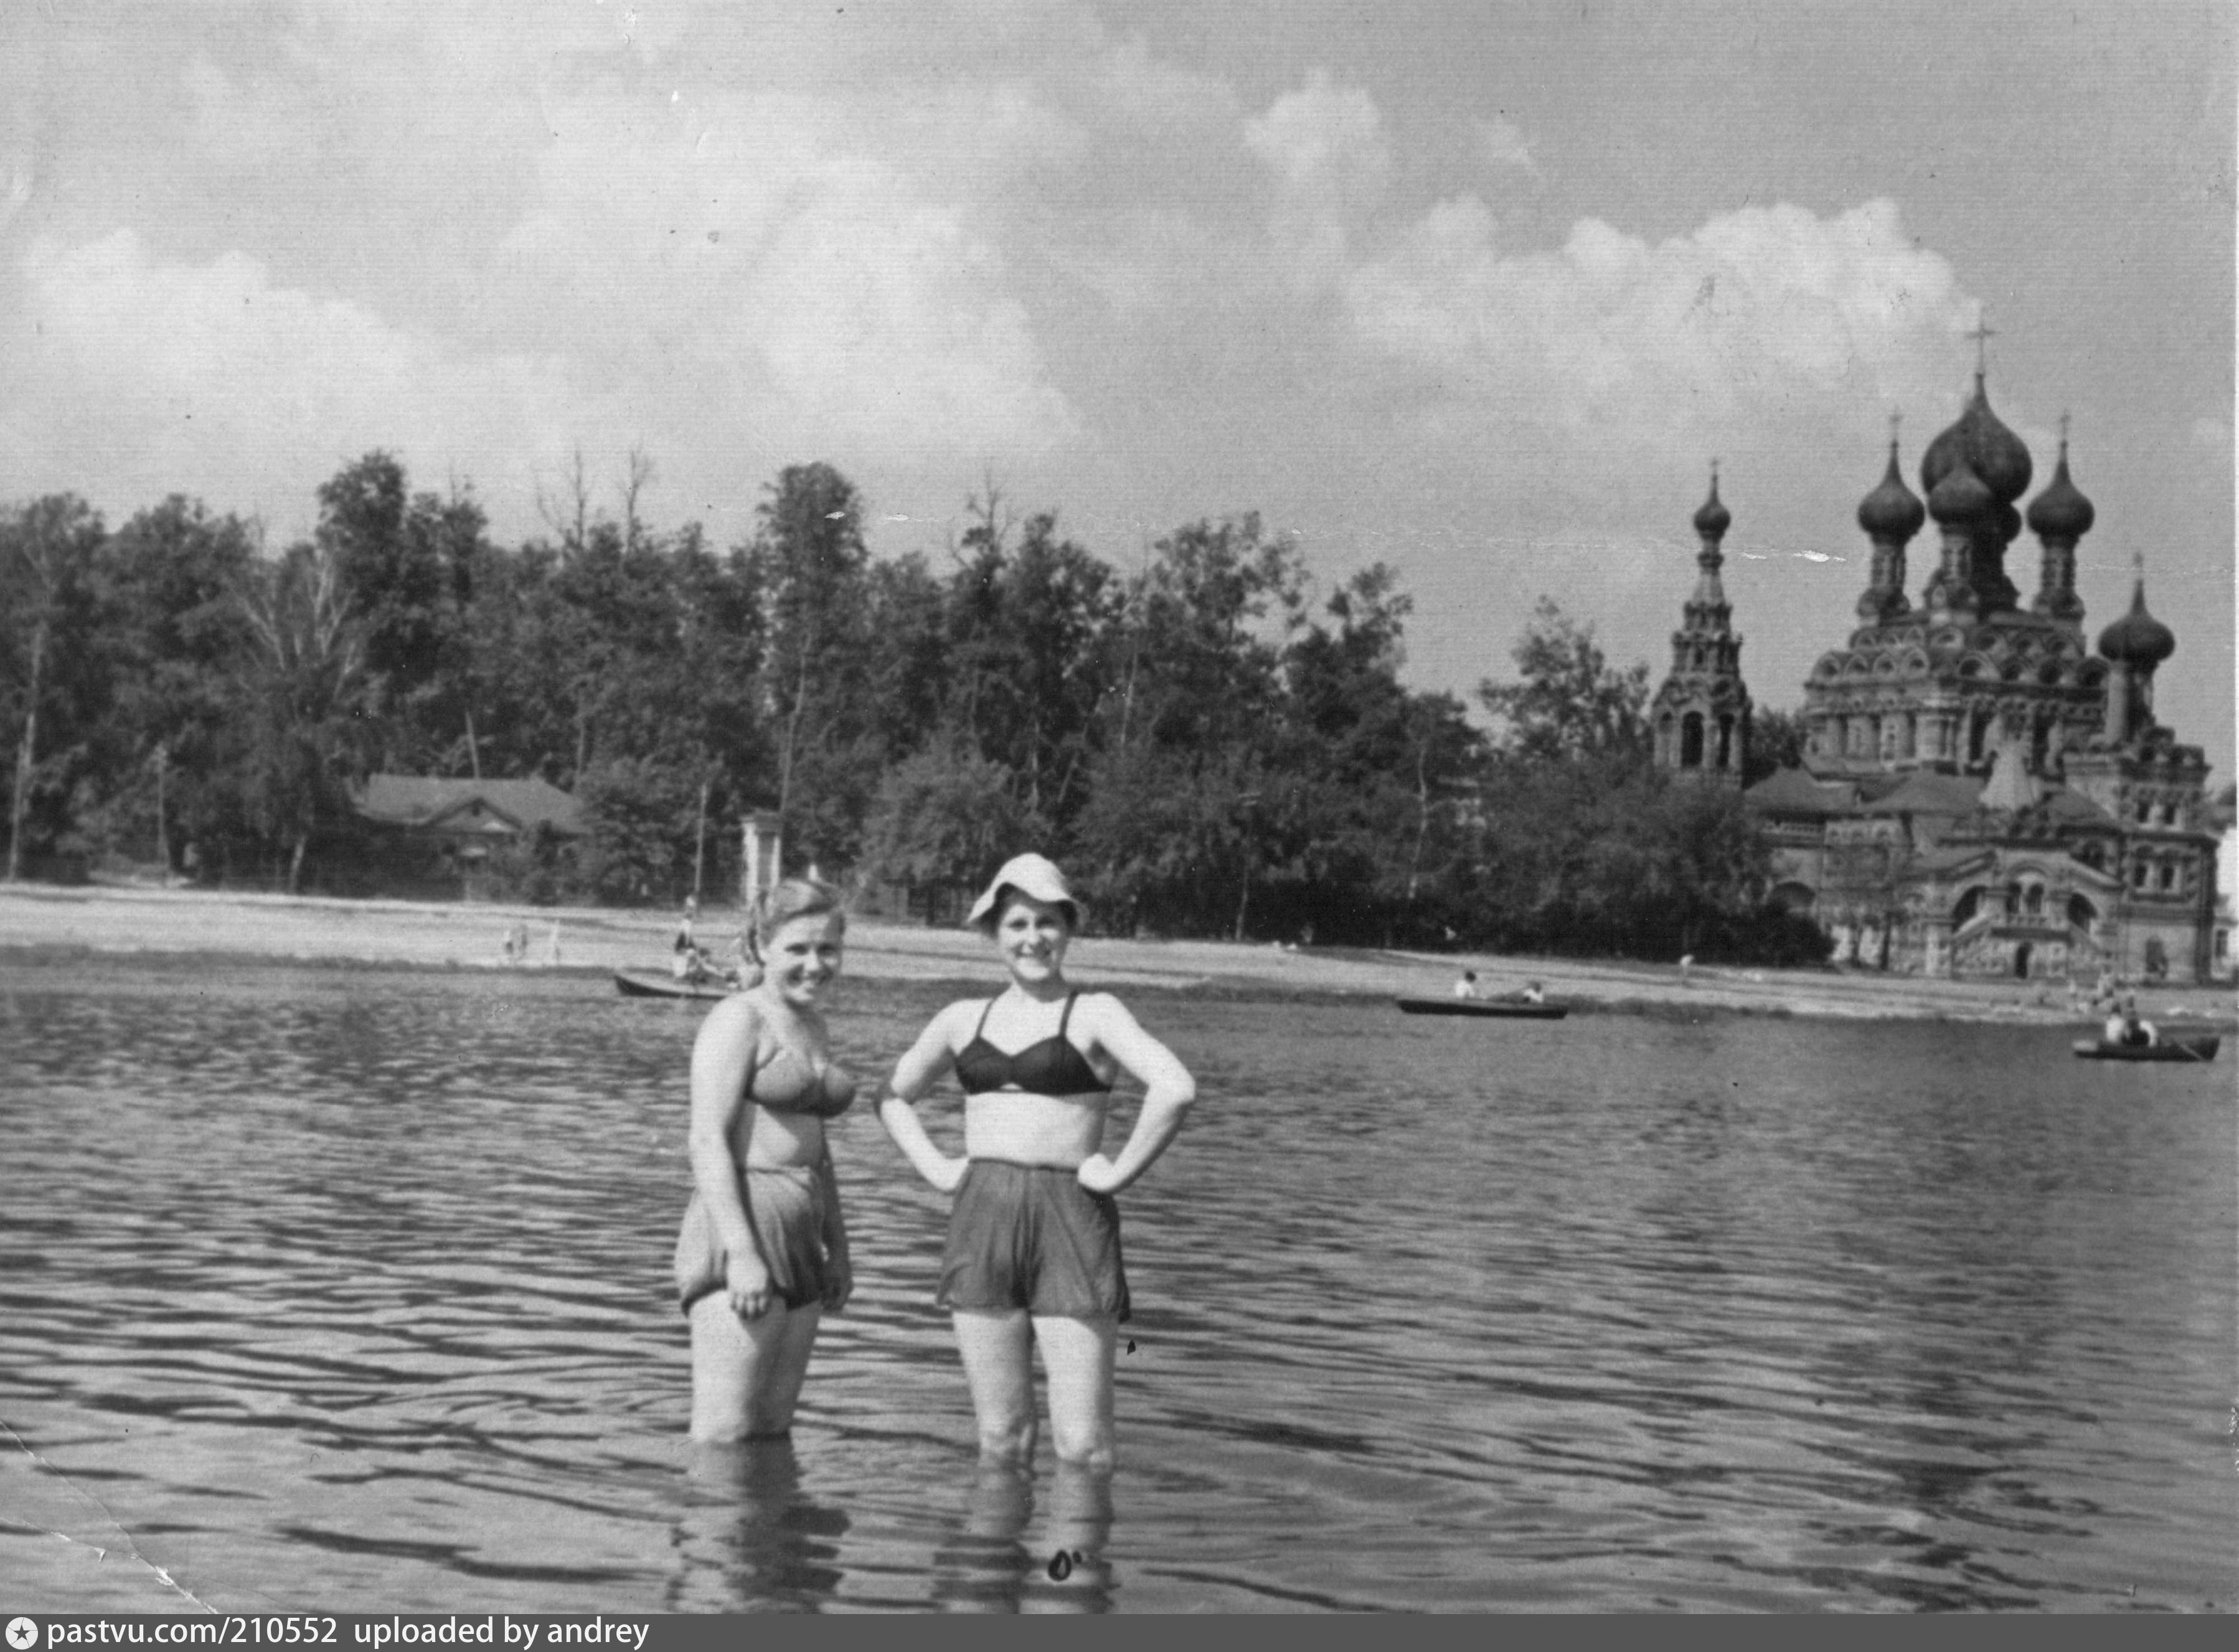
{"x":2200,"y":1047}
{"x":1513,"y":1009}
{"x":644,"y":984}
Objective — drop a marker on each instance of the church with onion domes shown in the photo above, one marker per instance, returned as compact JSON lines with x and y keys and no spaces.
{"x":1982,"y":792}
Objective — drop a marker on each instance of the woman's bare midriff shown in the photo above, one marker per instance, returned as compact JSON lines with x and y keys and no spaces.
{"x":1056,"y":1130}
{"x":779,"y":1139}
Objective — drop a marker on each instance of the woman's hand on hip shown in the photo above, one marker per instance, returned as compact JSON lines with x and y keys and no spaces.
{"x":749,"y":1282}
{"x":1099,"y":1174}
{"x":838,"y":1283}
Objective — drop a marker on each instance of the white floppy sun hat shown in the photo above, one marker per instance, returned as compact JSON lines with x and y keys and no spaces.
{"x":1034,"y":876}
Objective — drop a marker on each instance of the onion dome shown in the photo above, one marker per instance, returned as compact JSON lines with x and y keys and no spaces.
{"x":1960,"y":499}
{"x":2000,"y":458}
{"x":2010,"y":523}
{"x":2137,"y":638}
{"x":1713,"y":518}
{"x":1892,"y":511}
{"x":2061,"y":511}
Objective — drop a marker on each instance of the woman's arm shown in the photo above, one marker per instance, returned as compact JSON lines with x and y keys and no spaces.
{"x":921,"y":1068}
{"x":723,"y":1066}
{"x":1168,"y":1090}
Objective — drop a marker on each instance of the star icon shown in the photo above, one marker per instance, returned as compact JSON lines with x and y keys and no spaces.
{"x":22,"y":1634}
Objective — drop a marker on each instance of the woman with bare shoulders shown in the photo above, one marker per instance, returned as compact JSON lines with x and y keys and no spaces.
{"x":763,"y":1252}
{"x":1034,"y":1238}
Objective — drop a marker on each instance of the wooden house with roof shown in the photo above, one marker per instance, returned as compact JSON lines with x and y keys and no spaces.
{"x":432,"y":835}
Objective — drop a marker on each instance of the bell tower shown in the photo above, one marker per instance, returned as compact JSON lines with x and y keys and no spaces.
{"x":1701,"y":714}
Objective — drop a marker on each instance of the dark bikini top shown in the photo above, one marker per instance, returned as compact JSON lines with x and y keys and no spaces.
{"x":786,"y":1083}
{"x":1051,"y":1067}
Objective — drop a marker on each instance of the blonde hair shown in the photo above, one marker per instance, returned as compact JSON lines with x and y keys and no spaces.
{"x":785,"y":900}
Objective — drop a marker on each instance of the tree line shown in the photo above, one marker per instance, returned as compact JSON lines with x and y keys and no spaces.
{"x":1210,"y":749}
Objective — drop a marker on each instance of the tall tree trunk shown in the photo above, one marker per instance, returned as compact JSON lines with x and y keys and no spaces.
{"x":26,"y":755}
{"x":1243,"y":898}
{"x":700,"y":843}
{"x":163,"y":818}
{"x":474,"y":753}
{"x":295,"y":860}
{"x":784,"y":766}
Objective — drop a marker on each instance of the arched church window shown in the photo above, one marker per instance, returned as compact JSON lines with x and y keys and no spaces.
{"x":2082,"y":912}
{"x":2033,"y":900}
{"x":1970,"y":905}
{"x":2168,"y":875}
{"x":1725,"y":742}
{"x":1690,"y":740}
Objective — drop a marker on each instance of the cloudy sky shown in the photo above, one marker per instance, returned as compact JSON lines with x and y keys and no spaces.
{"x":1478,"y":290}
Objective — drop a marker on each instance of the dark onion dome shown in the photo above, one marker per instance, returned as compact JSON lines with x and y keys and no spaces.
{"x":1999,"y":456}
{"x":1959,"y":498}
{"x":1892,"y":511}
{"x":2009,"y":524}
{"x":1713,"y":518}
{"x":2137,"y":638}
{"x":2061,"y":511}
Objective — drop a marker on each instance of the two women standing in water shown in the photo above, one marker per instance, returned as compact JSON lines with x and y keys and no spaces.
{"x":1033,"y":1252}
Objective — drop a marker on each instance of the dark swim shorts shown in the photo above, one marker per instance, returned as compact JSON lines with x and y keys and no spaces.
{"x":786,"y":1207}
{"x":1032,"y":1236}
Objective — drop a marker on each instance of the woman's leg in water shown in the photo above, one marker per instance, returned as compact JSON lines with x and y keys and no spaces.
{"x":746,"y":1373}
{"x":1078,"y":1355}
{"x":999,"y":1368}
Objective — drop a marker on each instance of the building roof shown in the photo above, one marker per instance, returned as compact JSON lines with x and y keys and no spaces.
{"x":427,"y":801}
{"x":2073,"y":808}
{"x":1793,"y":792}
{"x":1928,"y":792}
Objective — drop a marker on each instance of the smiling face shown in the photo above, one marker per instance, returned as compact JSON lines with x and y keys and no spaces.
{"x":801,"y":957}
{"x":1031,"y":935}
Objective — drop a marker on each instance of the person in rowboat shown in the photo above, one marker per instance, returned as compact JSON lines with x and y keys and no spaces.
{"x":1032,"y":1254}
{"x":763,"y":1252}
{"x":2126,"y":1027}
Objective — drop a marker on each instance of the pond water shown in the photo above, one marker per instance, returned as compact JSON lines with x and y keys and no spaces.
{"x":347,"y":1291}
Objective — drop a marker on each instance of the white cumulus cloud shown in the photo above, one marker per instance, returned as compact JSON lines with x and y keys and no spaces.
{"x":207,"y":378}
{"x":1763,"y":313}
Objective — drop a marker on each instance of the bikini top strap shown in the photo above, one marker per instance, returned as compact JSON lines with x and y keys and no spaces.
{"x":1067,"y":1015}
{"x":980,"y":1031}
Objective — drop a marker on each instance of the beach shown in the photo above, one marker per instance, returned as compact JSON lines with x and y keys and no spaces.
{"x":312,"y":930}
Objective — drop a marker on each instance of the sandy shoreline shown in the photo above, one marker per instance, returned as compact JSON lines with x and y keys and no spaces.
{"x":150,"y":921}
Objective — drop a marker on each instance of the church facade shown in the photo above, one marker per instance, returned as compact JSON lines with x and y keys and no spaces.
{"x":1982,"y":792}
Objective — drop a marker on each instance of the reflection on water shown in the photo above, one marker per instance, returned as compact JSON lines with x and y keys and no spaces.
{"x":348,"y":1290}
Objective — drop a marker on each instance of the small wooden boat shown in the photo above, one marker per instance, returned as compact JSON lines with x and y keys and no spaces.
{"x":2198,"y":1048}
{"x":1513,"y":1009}
{"x":644,"y":984}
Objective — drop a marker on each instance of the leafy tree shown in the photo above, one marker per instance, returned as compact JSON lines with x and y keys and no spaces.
{"x":944,"y":819}
{"x":1777,"y":741}
{"x":1571,"y":701}
{"x":175,"y":631}
{"x":303,"y":680}
{"x":637,"y":814}
{"x":810,"y":566}
{"x":52,"y":673}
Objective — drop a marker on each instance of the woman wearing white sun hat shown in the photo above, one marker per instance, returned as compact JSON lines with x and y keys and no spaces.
{"x":1033,"y":1240}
